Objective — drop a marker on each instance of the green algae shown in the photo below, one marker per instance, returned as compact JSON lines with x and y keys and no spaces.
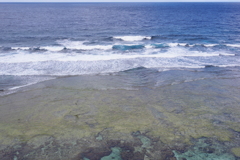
{"x":187,"y":125}
{"x":93,"y":111}
{"x":236,"y":151}
{"x":123,"y":121}
{"x":174,"y":114}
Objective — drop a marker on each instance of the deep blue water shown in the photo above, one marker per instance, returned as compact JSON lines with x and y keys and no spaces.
{"x":180,"y":22}
{"x":41,"y":40}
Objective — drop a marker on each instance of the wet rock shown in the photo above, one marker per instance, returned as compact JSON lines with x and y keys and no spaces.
{"x":157,"y":114}
{"x":60,"y":113}
{"x":137,"y":133}
{"x":208,"y":150}
{"x":138,"y":156}
{"x":129,"y":152}
{"x":116,"y":154}
{"x":146,"y":142}
{"x":209,"y":66}
{"x":96,"y":153}
{"x":70,"y":118}
{"x":205,"y":149}
{"x":39,"y":140}
{"x":236,"y":151}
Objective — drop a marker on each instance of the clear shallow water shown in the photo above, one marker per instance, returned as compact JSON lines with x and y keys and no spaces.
{"x":129,"y":110}
{"x":40,"y":41}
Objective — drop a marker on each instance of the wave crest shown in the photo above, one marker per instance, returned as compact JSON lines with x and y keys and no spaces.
{"x":132,"y":38}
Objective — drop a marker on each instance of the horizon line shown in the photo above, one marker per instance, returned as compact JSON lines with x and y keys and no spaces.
{"x":124,"y":2}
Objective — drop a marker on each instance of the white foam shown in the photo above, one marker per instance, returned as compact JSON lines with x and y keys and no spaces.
{"x":226,"y":54}
{"x":104,"y":59}
{"x":79,"y":45}
{"x":172,"y":44}
{"x":108,"y":64}
{"x":33,"y":81}
{"x":148,"y":52}
{"x":17,"y":87}
{"x":190,"y":45}
{"x":49,"y":48}
{"x":183,"y":52}
{"x":23,"y":56}
{"x":210,"y":45}
{"x":132,"y":38}
{"x":53,"y":48}
{"x":206,"y":45}
{"x":149,"y":46}
{"x":233,"y":45}
{"x":177,"y":44}
{"x":229,"y":65}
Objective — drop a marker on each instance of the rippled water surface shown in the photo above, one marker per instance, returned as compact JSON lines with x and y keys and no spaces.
{"x":46,"y":40}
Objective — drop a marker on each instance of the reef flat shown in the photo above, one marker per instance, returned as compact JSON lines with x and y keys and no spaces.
{"x":100,"y":117}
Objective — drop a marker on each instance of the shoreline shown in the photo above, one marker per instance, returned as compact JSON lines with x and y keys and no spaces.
{"x":98,"y":116}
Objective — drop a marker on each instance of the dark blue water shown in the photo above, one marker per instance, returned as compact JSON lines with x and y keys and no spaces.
{"x":40,"y":40}
{"x":182,"y":22}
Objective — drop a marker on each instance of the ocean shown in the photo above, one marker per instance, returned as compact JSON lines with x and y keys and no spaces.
{"x":124,"y":81}
{"x":42,"y":41}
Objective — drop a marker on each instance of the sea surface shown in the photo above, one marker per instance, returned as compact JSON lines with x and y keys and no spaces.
{"x":42,"y":41}
{"x":120,"y":81}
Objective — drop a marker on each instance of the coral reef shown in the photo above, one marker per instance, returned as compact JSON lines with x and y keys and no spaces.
{"x":56,"y":118}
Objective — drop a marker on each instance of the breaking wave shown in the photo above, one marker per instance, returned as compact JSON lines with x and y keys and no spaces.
{"x":132,"y":38}
{"x":72,"y":57}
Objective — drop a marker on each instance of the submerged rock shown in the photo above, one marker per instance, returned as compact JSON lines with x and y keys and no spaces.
{"x":67,"y":122}
{"x":116,"y":154}
{"x":96,"y":153}
{"x":205,"y":149}
{"x":236,"y":151}
{"x":70,"y":118}
{"x":37,"y":141}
